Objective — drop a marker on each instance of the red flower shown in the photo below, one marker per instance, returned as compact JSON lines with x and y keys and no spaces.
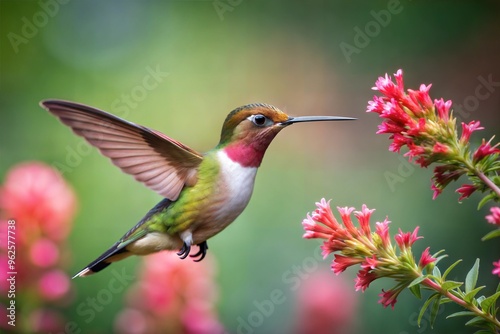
{"x":467,"y":130}
{"x":440,"y":149}
{"x":406,"y":240}
{"x":382,"y":230}
{"x":364,"y":278}
{"x":426,"y":258}
{"x":388,"y":88}
{"x":443,"y":109}
{"x":484,"y":150}
{"x":421,"y":96}
{"x":388,"y":297}
{"x":340,"y":263}
{"x":466,"y":190}
{"x":363,"y":217}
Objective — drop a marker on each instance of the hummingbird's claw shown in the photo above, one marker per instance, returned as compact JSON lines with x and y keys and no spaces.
{"x":202,"y":252}
{"x":184,"y":252}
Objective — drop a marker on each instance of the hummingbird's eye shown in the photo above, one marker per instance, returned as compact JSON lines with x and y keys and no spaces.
{"x":259,"y":120}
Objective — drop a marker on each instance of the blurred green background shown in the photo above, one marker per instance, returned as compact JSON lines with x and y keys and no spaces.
{"x":305,"y":57}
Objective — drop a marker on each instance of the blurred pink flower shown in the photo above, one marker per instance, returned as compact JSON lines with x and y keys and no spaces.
{"x":54,"y":284}
{"x":46,"y":321}
{"x":37,"y":208}
{"x":44,"y":253}
{"x":494,"y":218}
{"x":319,"y":297}
{"x":36,"y":195}
{"x":131,"y":321}
{"x":496,"y":268}
{"x":172,"y":296}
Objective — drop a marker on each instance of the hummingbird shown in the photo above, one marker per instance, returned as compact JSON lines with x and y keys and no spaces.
{"x":203,"y":193}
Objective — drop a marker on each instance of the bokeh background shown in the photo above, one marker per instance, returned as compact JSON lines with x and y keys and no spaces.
{"x":181,"y":66}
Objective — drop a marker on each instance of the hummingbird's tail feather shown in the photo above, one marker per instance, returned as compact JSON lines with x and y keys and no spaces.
{"x":119,"y":250}
{"x":113,"y":254}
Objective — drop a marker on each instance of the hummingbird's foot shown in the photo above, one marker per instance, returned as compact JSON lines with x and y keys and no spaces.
{"x":202,"y":252}
{"x":184,"y":252}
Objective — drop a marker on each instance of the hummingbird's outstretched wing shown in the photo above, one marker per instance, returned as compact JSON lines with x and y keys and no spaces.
{"x":161,"y":163}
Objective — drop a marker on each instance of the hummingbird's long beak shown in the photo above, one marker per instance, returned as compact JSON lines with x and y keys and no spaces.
{"x":292,"y":120}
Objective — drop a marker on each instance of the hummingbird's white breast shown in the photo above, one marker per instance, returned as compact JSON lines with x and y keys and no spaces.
{"x":237,"y":182}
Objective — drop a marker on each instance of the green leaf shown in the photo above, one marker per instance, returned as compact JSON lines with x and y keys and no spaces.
{"x":436,"y":273}
{"x":449,"y":285}
{"x":470,"y":296}
{"x":482,"y":331}
{"x":434,"y":310}
{"x":487,"y":305}
{"x":461,"y":314}
{"x":425,"y":306}
{"x":415,"y":289}
{"x":471,"y":279}
{"x":476,"y":321}
{"x":485,"y":200}
{"x":417,"y":281}
{"x":445,"y":300}
{"x":450,"y":268}
{"x":491,"y":235}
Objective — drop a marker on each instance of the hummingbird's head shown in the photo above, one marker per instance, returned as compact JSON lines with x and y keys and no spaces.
{"x":256,"y":121}
{"x":252,"y":127}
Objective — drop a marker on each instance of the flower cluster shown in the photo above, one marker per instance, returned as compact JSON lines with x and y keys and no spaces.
{"x":37,"y":207}
{"x":428,"y":129}
{"x":171,"y":296}
{"x":373,"y":251}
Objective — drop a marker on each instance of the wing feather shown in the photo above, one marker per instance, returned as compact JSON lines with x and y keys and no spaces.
{"x":160,"y":162}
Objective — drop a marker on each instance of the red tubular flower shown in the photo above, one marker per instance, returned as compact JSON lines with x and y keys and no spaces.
{"x":467,"y":130}
{"x":382,"y":230}
{"x":364,"y":278}
{"x":406,"y":240}
{"x":363,"y":217}
{"x":388,"y":297}
{"x":341,"y":263}
{"x":466,"y":190}
{"x":421,"y":97}
{"x":443,"y":109}
{"x":484,"y":150}
{"x":440,"y":149}
{"x":426,"y":258}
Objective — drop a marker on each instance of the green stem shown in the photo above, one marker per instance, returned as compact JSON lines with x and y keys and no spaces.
{"x":437,"y":287}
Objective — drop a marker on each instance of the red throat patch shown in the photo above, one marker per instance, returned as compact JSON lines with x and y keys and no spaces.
{"x":245,"y":155}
